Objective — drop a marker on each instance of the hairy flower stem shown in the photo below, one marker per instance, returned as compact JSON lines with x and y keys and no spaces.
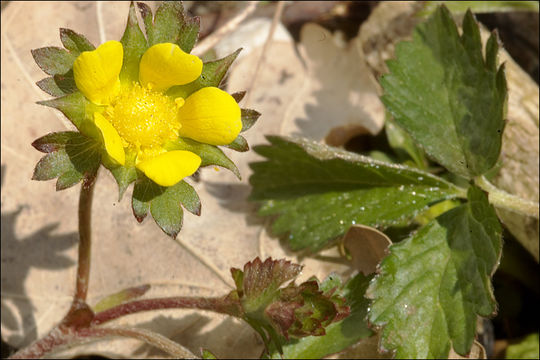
{"x":61,"y":336}
{"x":502,"y":199}
{"x":85,"y":242}
{"x":221,"y":305}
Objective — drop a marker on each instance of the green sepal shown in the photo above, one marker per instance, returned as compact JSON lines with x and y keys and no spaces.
{"x":319,"y":191}
{"x":50,"y":87}
{"x":71,"y":157}
{"x":58,"y":85}
{"x":73,"y":106}
{"x":74,"y":42}
{"x":167,"y":23}
{"x":238,"y":96}
{"x":249,"y":118}
{"x":209,"y":154}
{"x":455,"y":107}
{"x":123,"y":174}
{"x":212,"y":74}
{"x":432,"y":287}
{"x":53,"y":60}
{"x":189,"y":33}
{"x":134,"y":44}
{"x":239,"y":144}
{"x":164,"y":203}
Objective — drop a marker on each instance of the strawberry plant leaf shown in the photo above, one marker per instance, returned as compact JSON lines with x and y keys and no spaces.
{"x":319,"y":191}
{"x":446,"y":96}
{"x":433,"y":285}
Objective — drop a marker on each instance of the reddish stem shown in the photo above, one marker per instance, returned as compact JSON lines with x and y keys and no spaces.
{"x":223,"y":305}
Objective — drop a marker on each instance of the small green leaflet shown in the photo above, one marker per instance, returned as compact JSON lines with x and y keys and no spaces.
{"x":339,"y":335}
{"x":526,"y":349}
{"x":319,"y":191}
{"x":446,"y":96}
{"x":433,"y":285}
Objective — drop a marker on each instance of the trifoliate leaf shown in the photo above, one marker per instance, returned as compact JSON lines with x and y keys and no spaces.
{"x":433,"y":285}
{"x":166,"y":24}
{"x":319,"y":191}
{"x":53,"y":60}
{"x":525,"y":349}
{"x":339,"y":335}
{"x":249,"y":118}
{"x":212,"y":74}
{"x":74,"y":42}
{"x":446,"y":96}
{"x":71,"y":157}
{"x":239,"y":144}
{"x":278,"y":313}
{"x":209,"y":154}
{"x":134,"y":44}
{"x":165,"y":204}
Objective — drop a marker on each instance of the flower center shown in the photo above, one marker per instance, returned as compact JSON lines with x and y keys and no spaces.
{"x":144,"y":118}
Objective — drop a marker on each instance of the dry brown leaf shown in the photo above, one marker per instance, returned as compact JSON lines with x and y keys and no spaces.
{"x":339,"y":97}
{"x":367,"y":246}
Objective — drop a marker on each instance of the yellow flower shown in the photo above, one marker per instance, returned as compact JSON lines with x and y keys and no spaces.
{"x":137,"y":119}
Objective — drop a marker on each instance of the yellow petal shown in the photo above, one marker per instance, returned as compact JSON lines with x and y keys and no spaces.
{"x":211,"y":116}
{"x":96,"y":72}
{"x":111,"y":139}
{"x":165,"y":65}
{"x":169,"y":168}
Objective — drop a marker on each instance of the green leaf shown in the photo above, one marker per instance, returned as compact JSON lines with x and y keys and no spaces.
{"x":74,"y":42}
{"x":433,"y":285}
{"x":71,"y":157}
{"x":167,"y":23}
{"x":124,"y":175}
{"x":526,"y":349}
{"x":479,"y":6}
{"x":319,"y":191}
{"x":206,"y":354}
{"x":442,"y":92}
{"x":134,"y":44}
{"x":164,"y":204}
{"x":73,"y":106}
{"x":249,"y":118}
{"x":53,"y":60}
{"x":121,"y":297}
{"x":239,"y":144}
{"x":403,"y":145}
{"x":209,"y":154}
{"x":58,"y":85}
{"x":212,"y":74}
{"x":189,"y":34}
{"x":339,"y":335}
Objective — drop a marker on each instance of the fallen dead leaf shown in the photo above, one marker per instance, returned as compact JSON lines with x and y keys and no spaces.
{"x":367,"y":246}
